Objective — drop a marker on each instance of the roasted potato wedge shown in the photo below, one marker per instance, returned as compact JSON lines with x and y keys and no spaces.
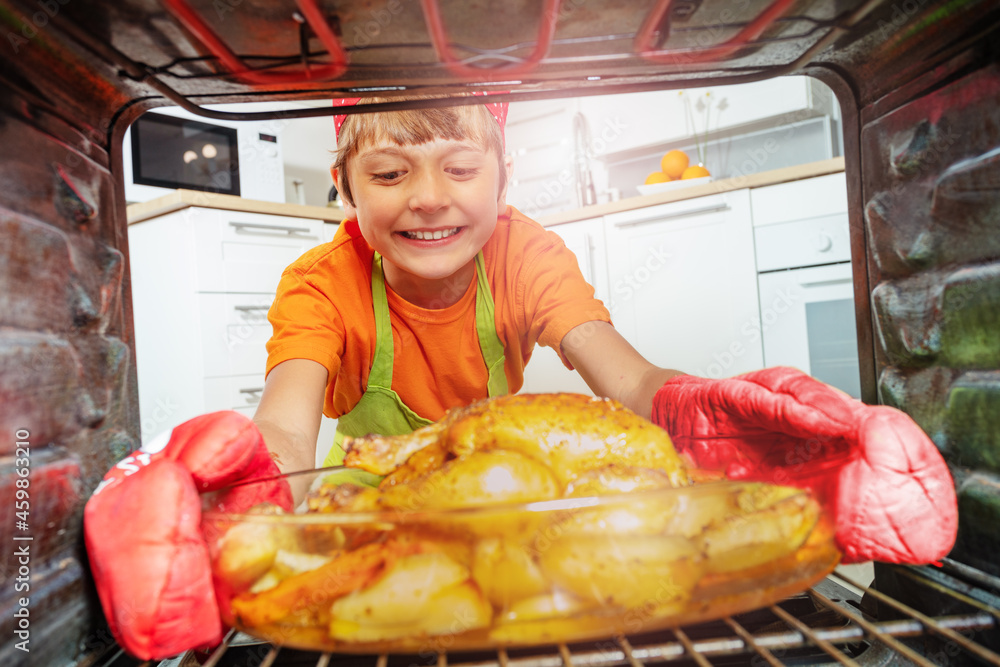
{"x":623,"y":571}
{"x":506,"y":572}
{"x":427,"y":593}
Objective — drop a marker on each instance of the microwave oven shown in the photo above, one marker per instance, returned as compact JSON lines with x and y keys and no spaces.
{"x":170,"y":149}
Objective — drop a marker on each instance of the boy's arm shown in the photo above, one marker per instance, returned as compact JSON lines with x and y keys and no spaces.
{"x":779,"y":425}
{"x":611,"y":367}
{"x":290,"y":411}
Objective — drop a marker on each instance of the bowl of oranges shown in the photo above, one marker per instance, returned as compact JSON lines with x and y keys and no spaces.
{"x":676,"y":171}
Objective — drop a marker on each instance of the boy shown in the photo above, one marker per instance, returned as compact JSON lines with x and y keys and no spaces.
{"x":466,"y":286}
{"x":432,"y":295}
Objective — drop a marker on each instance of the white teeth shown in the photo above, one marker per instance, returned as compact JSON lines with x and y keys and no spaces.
{"x":431,"y":236}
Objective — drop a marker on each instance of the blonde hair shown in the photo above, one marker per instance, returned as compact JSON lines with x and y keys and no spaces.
{"x":416,"y":126}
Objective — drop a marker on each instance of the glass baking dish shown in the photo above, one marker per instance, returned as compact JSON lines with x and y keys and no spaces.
{"x":563,"y":570}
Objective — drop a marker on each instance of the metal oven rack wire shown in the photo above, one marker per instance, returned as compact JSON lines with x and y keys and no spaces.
{"x":478,"y":64}
{"x":495,"y":62}
{"x":817,"y":627}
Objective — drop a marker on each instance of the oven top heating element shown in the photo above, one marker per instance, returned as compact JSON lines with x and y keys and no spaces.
{"x":701,"y":49}
{"x":837,"y":621}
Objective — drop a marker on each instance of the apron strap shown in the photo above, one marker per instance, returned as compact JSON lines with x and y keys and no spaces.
{"x":380,"y":374}
{"x":489,"y":341}
{"x":380,"y":407}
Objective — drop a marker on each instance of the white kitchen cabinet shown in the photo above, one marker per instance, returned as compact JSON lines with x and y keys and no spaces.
{"x":624,"y":122}
{"x":546,"y":372}
{"x":683,"y":287}
{"x":202,"y":282}
{"x":539,"y":139}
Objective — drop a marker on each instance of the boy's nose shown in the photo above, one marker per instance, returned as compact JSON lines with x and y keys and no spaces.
{"x":430,"y":193}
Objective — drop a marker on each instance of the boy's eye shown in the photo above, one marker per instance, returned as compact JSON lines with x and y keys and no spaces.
{"x":463,"y":171}
{"x":387,"y":176}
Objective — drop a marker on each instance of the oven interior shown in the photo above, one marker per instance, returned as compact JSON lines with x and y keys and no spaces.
{"x":918,"y":84}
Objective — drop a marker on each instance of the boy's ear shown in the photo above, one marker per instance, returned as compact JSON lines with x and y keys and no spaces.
{"x":508,"y":164}
{"x":349,"y":210}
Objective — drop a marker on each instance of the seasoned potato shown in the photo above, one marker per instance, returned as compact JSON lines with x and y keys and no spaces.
{"x":559,"y":604}
{"x":452,"y":610}
{"x":772,"y":522}
{"x":505,"y":571}
{"x":626,"y":571}
{"x":546,"y":618}
{"x":247,"y":551}
{"x":638,"y":516}
{"x":425,"y":593}
{"x":290,"y":563}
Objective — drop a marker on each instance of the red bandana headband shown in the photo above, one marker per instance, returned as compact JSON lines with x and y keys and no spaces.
{"x":497,"y":109}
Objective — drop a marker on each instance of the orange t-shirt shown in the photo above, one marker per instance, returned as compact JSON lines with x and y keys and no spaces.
{"x":324,"y":312}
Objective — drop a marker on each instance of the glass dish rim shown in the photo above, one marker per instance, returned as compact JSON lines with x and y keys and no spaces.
{"x":397,"y":515}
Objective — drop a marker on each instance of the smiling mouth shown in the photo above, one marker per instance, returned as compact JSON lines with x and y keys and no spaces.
{"x":431,"y":235}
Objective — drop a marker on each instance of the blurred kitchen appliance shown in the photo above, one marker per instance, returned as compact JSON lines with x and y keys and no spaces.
{"x":172,"y":149}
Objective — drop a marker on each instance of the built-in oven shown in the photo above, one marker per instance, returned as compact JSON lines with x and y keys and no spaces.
{"x":805,"y":281}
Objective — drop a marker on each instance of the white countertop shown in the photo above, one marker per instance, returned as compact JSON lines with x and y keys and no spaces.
{"x":757,"y":180}
{"x":181,"y":199}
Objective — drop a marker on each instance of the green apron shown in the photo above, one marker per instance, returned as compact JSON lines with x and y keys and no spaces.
{"x":380,"y":409}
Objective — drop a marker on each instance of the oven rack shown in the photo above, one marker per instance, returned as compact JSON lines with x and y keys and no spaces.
{"x":678,"y":67}
{"x":506,"y":53}
{"x":843,"y":633}
{"x":474,"y":63}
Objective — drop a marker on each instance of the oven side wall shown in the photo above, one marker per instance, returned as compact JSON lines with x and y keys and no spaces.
{"x":930,"y":160}
{"x":68,"y":403}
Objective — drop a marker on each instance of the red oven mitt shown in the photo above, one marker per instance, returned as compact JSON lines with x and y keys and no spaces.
{"x":143,"y":534}
{"x":881,"y":477}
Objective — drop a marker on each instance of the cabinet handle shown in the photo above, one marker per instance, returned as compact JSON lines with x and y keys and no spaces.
{"x":252,"y":394}
{"x":827,"y":283}
{"x":657,"y":217}
{"x":270,"y":228}
{"x":246,"y":309}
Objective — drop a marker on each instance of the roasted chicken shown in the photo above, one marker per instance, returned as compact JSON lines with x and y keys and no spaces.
{"x":571,"y":434}
{"x":629,"y":542}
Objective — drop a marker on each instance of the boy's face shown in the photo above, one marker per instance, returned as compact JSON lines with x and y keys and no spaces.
{"x":427,"y":208}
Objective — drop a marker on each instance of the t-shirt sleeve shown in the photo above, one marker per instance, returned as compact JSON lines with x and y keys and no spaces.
{"x":305,"y":324}
{"x":556,"y":296}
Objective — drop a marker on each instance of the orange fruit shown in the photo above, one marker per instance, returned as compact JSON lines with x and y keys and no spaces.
{"x":673,"y":163}
{"x":694,"y":171}
{"x":657,"y":177}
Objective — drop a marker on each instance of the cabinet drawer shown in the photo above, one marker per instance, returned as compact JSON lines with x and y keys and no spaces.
{"x":803,"y":243}
{"x":686,"y":211}
{"x":808,"y":198}
{"x":234,"y":393}
{"x":246,"y":252}
{"x":234,"y":332}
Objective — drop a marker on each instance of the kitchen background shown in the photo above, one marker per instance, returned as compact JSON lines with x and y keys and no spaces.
{"x":751,"y":268}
